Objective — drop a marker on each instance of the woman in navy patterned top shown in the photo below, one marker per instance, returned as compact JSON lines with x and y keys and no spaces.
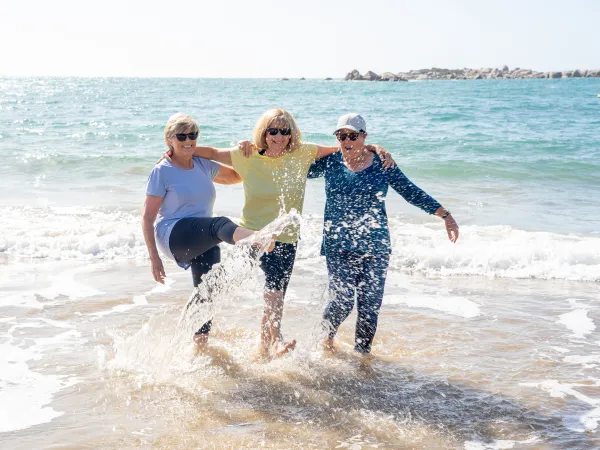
{"x":356,"y":236}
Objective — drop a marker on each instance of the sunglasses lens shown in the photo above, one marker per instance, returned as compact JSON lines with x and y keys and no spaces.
{"x":275,"y":131}
{"x":181,"y":137}
{"x":342,"y":136}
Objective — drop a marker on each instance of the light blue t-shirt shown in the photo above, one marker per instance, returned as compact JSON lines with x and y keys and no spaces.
{"x":185,"y":193}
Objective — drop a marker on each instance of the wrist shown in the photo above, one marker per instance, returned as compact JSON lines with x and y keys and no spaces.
{"x":446,"y":215}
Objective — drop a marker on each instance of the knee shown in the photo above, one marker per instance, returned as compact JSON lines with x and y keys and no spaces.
{"x":339,"y":305}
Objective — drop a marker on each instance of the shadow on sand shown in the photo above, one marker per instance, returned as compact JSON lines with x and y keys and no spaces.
{"x":343,"y":398}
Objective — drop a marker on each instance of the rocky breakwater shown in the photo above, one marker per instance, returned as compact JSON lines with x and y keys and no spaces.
{"x":468,"y":74}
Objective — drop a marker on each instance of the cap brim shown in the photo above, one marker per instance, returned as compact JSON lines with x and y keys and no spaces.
{"x":346,"y":127}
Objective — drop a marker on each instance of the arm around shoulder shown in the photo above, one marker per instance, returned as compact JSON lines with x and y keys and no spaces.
{"x":221,"y":155}
{"x":227,"y":175}
{"x":323,"y":151}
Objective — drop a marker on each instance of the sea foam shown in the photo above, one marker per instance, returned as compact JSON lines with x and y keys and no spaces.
{"x":488,"y":251}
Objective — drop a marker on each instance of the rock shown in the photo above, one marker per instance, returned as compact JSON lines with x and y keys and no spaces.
{"x":576,"y":74}
{"x":303,"y":78}
{"x":593,"y":74}
{"x":388,"y":76}
{"x":354,"y":75}
{"x":505,"y":69}
{"x":371,"y":76}
{"x":555,"y":74}
{"x":486,"y":70}
{"x":284,"y":79}
{"x":328,"y":79}
{"x":478,"y":77}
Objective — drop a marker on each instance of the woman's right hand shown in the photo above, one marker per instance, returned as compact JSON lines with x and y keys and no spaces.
{"x":246,"y":148}
{"x":158,"y":270}
{"x":451,"y":228}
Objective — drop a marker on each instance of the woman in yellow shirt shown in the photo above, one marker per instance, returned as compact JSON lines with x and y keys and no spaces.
{"x":274,"y":179}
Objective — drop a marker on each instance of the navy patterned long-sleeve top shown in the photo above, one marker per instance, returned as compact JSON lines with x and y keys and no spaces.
{"x":355,"y":215}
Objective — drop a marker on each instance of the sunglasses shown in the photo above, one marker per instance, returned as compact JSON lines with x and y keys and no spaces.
{"x":342,"y":136}
{"x":181,"y":137}
{"x":283,"y":131}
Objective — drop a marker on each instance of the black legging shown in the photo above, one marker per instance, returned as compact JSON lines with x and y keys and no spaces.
{"x":194,"y":241}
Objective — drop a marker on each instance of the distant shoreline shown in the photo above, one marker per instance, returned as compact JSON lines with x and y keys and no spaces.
{"x":469,"y":74}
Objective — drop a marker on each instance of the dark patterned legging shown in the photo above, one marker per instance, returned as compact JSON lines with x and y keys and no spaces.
{"x":194,"y":241}
{"x":364,"y":275}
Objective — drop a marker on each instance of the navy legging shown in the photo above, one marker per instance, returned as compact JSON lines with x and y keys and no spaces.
{"x":194,"y":241}
{"x":364,"y":275}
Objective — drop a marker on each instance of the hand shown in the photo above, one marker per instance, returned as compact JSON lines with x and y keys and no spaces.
{"x":158,"y":270}
{"x":451,"y":228}
{"x":246,"y":147}
{"x":386,"y":157}
{"x":166,"y":155}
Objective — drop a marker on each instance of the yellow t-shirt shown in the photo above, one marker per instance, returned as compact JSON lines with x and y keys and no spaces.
{"x":273,"y":185}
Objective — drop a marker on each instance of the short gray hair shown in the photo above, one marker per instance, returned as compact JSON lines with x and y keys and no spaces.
{"x":179,"y":123}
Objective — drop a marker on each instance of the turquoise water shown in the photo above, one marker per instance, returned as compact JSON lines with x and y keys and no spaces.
{"x":524,"y":153}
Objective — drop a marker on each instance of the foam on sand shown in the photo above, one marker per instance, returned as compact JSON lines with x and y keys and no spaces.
{"x":578,"y":322}
{"x":585,"y":422}
{"x":500,"y":444}
{"x":453,"y":305}
{"x":32,"y":391}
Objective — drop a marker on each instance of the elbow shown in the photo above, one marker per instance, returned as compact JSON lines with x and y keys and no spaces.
{"x":234,"y":177}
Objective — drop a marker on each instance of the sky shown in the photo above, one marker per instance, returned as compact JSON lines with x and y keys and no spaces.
{"x":302,"y":38}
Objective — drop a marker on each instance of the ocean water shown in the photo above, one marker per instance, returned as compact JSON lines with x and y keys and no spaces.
{"x":490,"y":343}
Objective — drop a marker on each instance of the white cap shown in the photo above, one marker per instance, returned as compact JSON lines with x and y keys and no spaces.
{"x":351,"y":121}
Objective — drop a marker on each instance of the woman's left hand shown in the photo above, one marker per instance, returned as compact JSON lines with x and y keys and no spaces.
{"x":386,"y":157}
{"x":451,"y":228}
{"x":246,"y":148}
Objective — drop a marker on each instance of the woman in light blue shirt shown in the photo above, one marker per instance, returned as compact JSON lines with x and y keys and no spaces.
{"x":180,"y":195}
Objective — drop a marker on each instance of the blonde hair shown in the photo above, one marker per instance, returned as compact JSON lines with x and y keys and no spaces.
{"x":281,"y":118}
{"x":179,"y":123}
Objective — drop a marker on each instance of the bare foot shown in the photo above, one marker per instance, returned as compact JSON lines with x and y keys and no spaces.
{"x":263,"y":247}
{"x":328,"y":345}
{"x":280,"y":348}
{"x":276,"y":349}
